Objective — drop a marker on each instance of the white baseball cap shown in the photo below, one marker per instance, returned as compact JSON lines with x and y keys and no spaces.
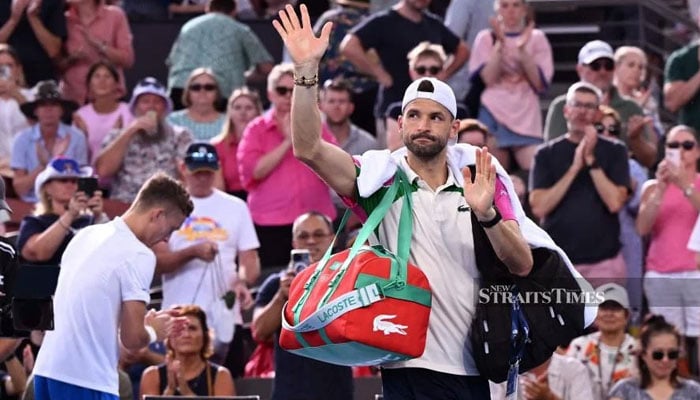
{"x":616,"y":293}
{"x":432,"y":89}
{"x":594,"y":50}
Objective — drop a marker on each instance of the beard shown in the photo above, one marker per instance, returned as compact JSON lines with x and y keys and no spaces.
{"x":425,"y":151}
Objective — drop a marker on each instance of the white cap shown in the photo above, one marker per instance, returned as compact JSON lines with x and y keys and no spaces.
{"x":432,"y":89}
{"x":60,"y":167}
{"x":594,"y":50}
{"x":616,"y":293}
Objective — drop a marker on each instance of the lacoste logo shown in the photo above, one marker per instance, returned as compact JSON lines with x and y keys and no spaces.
{"x":463,"y":208}
{"x":380,"y":323}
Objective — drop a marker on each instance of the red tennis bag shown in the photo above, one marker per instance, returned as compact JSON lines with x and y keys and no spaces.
{"x":362,"y":306}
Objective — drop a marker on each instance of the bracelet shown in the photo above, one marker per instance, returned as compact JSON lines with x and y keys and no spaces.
{"x":493,"y":221}
{"x":306,"y":82}
{"x":66,"y":227}
{"x":152,"y":337}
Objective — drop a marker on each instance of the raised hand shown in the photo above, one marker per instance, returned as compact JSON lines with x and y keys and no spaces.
{"x":299,"y":38}
{"x":479,"y":194}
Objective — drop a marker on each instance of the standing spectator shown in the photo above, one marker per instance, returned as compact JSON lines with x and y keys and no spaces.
{"x":148,"y":144}
{"x":392,"y":34}
{"x":609,"y":353}
{"x":61,"y":212}
{"x":312,"y":231}
{"x":102,"y":293}
{"x":632,"y":82}
{"x":96,"y":32}
{"x":515,"y":63}
{"x":243,"y":106}
{"x":632,"y":246}
{"x":345,"y":15}
{"x":36,"y":29}
{"x":660,"y":347}
{"x":205,"y":249}
{"x":200,"y":97}
{"x":216,"y":40}
{"x":280,"y":187}
{"x":13,"y":93}
{"x":668,"y":210}
{"x":583,"y":171}
{"x":596,"y":66}
{"x":187,"y":370}
{"x":103,"y":111}
{"x":682,"y":84}
{"x":34,"y":147}
{"x":466,"y":18}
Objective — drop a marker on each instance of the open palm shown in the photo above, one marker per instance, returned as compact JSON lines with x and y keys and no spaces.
{"x":479,"y":194}
{"x":299,"y":38}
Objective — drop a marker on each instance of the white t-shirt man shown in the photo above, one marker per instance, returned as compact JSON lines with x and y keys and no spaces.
{"x":103,"y":266}
{"x":222,"y":218}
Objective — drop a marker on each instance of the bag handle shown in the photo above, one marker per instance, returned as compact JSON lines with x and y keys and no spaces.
{"x":398,"y":272}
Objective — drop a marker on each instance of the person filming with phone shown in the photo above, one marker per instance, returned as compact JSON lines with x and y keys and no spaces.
{"x":297,"y":377}
{"x":667,"y":212}
{"x":64,"y":207}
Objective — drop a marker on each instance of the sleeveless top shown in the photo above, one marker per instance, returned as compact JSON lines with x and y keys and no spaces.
{"x":198,"y":384}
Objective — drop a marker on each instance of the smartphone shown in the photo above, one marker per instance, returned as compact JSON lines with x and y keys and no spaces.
{"x":674,"y":156}
{"x":301,"y":258}
{"x":87,"y":185}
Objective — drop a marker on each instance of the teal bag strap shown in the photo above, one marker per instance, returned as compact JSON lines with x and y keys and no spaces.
{"x":398,"y":274}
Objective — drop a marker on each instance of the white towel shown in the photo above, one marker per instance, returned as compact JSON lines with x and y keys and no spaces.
{"x":378,"y":166}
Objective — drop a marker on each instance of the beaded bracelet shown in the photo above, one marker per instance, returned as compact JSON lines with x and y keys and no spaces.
{"x":306,"y":82}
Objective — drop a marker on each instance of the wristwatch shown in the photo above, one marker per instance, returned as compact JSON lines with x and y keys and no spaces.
{"x":688,"y":191}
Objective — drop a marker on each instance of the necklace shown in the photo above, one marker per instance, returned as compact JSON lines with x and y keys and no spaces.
{"x":604,"y":386}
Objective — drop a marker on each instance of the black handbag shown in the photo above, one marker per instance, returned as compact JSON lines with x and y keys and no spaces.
{"x":520,"y":321}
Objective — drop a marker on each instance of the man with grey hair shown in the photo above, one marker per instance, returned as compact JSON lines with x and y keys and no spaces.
{"x":596,"y":66}
{"x":578,"y":184}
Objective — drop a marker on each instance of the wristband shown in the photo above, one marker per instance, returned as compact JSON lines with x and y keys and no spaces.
{"x":493,"y":221}
{"x":152,"y":337}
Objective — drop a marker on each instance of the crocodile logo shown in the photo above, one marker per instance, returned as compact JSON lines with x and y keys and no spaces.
{"x":380,"y":323}
{"x":463,"y":208}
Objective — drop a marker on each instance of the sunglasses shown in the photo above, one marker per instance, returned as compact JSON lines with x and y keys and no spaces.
{"x":612,"y":129}
{"x":432,"y":70}
{"x":66,"y":180}
{"x":196,"y":87}
{"x":283,"y":90}
{"x":315,"y":235}
{"x":603,"y":63}
{"x":658,"y":355}
{"x":686,"y":145}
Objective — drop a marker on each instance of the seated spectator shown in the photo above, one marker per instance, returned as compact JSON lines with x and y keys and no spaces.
{"x":630,"y":77}
{"x":424,"y":60}
{"x":13,"y":93}
{"x":103,"y":112}
{"x":243,"y":106}
{"x":667,"y":212}
{"x":200,"y":97}
{"x":280,"y":187}
{"x":61,"y":211}
{"x":34,"y":147}
{"x":608,"y":354}
{"x":514,"y":60}
{"x":148,"y":144}
{"x":659,"y":349}
{"x":312,"y":231}
{"x":96,"y":32}
{"x":187,"y":371}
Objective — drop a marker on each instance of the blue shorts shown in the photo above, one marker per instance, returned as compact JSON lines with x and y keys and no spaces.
{"x":51,"y":389}
{"x":505,"y":137}
{"x":424,"y":384}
